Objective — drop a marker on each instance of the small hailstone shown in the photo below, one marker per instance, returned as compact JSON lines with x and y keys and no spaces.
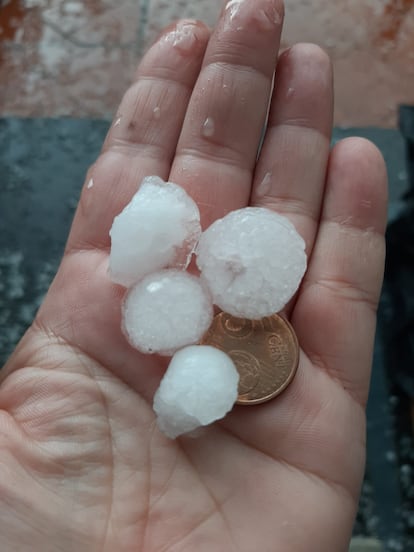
{"x":199,"y":387}
{"x":158,"y":229}
{"x":253,"y":261}
{"x":167,"y":310}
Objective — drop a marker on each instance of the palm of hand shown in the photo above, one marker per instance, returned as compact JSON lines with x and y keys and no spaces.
{"x":84,"y":466}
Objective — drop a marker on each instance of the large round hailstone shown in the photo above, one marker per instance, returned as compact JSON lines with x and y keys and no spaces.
{"x":158,"y":229}
{"x":167,"y":310}
{"x":253,"y":261}
{"x":199,"y":387}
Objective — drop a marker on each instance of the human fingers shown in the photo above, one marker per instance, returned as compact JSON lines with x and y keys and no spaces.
{"x":217,"y":149}
{"x":144,"y":134}
{"x":335,"y":313}
{"x":291,"y":170}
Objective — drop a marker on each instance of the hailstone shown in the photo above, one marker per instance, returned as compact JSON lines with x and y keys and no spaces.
{"x":198,"y":388}
{"x":158,"y":229}
{"x":253,"y":261}
{"x":165,"y":311}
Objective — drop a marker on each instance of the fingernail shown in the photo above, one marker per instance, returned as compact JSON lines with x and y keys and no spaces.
{"x":233,"y":8}
{"x":241,"y":12}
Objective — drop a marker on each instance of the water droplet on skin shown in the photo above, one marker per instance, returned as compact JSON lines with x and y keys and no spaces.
{"x":233,"y":6}
{"x":208,"y":127}
{"x":90,"y":184}
{"x":265,"y":185}
{"x":271,"y":17}
{"x":290,"y":92}
{"x":157,"y":112}
{"x":117,"y":122}
{"x":265,"y":19}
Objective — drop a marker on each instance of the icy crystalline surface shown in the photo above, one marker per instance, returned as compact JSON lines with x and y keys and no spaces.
{"x":167,"y":310}
{"x":253,"y":261}
{"x":199,"y":387}
{"x":158,"y":229}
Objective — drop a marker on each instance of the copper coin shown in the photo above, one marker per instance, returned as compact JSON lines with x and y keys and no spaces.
{"x":265,"y":352}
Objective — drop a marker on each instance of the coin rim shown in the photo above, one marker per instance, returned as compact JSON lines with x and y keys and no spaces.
{"x":252,"y":402}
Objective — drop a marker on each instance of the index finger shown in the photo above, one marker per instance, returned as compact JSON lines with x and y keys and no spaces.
{"x":144,"y":133}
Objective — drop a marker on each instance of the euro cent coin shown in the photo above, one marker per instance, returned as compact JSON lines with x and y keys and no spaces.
{"x":265,"y":352}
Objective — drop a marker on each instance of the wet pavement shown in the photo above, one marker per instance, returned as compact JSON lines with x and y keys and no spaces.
{"x":60,"y":57}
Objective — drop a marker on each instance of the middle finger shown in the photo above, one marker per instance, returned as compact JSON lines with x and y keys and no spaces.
{"x":217,"y":149}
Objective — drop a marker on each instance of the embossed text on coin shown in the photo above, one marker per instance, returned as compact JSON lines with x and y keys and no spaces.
{"x":265,"y":352}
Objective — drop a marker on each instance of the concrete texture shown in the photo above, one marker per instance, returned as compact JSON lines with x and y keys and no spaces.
{"x":67,"y":57}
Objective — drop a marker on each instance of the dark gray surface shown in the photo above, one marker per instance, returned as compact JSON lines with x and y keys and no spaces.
{"x":42,"y":167}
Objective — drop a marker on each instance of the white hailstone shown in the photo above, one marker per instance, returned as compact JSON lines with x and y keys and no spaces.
{"x":199,"y":387}
{"x":158,"y":229}
{"x":253,"y":261}
{"x":167,"y":310}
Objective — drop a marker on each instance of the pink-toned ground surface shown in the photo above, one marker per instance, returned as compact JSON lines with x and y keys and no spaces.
{"x":70,"y":57}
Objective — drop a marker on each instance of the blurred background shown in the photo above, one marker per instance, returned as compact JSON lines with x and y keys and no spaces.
{"x":64,"y":66}
{"x":69,"y":57}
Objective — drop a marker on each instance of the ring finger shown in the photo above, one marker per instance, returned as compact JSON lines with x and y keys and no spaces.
{"x":290,"y":175}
